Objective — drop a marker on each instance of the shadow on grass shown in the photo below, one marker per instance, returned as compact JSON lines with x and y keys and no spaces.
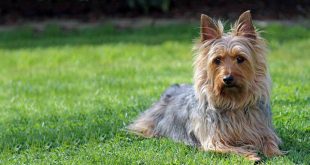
{"x":296,"y":143}
{"x":54,"y":130}
{"x":53,"y":36}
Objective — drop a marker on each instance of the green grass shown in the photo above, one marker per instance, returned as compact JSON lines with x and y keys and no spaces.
{"x":66,"y":96}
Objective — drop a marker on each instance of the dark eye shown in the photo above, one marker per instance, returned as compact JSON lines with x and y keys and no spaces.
{"x":217,"y":61}
{"x":240,"y":59}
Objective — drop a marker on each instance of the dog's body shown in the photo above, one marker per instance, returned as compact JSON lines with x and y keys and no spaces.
{"x":227,"y":109}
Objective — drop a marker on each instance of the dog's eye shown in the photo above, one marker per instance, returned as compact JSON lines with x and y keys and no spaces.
{"x":240,"y":59}
{"x":217,"y":61}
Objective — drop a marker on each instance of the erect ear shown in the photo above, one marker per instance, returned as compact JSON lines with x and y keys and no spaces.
{"x":244,"y":26}
{"x":208,"y":29}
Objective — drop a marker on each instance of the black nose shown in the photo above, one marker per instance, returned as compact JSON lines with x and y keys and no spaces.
{"x":228,"y":79}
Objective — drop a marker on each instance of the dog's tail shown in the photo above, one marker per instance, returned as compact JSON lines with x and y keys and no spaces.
{"x":146,"y":123}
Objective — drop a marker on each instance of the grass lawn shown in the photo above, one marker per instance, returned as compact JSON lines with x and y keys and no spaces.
{"x":66,"y":96}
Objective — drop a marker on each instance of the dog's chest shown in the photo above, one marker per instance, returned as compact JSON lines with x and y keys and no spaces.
{"x":236,"y":126}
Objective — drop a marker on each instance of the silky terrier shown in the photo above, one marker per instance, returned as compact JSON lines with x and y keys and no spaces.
{"x":228,"y":107}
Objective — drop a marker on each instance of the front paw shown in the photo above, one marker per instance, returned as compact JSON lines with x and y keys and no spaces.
{"x":270,"y":150}
{"x":253,"y":157}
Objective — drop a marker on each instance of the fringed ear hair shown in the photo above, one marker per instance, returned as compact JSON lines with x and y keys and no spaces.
{"x":208,"y":29}
{"x":244,"y":26}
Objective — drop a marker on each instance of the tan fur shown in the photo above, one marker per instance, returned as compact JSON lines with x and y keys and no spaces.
{"x":254,"y":81}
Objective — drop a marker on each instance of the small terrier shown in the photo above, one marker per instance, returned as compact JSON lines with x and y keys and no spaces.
{"x":228,"y":107}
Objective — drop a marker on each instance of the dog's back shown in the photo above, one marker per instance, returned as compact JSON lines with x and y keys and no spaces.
{"x":169,"y":116}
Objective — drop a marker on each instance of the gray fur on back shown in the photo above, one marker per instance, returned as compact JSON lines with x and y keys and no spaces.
{"x":179,"y":103}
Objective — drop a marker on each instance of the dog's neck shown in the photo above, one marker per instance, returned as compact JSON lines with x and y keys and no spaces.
{"x":223,"y":105}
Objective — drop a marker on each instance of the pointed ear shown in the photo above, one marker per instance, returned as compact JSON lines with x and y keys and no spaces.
{"x":208,"y":29}
{"x":244,"y":26}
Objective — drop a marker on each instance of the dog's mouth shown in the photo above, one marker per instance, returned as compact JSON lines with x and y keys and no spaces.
{"x":231,"y":86}
{"x":228,"y":90}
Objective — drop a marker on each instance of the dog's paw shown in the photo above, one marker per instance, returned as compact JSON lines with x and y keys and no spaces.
{"x":253,"y":157}
{"x":271,"y":150}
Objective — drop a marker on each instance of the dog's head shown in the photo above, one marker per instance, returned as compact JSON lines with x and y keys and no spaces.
{"x":230,"y":68}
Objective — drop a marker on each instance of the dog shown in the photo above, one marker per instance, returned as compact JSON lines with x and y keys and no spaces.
{"x":227,"y":109}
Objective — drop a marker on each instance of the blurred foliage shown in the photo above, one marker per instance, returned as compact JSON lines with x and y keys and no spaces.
{"x":146,"y":5}
{"x":90,"y":9}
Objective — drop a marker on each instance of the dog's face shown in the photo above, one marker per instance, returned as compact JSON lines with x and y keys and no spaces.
{"x":228,"y":66}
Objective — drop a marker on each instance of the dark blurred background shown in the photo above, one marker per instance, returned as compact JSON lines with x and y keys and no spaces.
{"x":13,"y":11}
